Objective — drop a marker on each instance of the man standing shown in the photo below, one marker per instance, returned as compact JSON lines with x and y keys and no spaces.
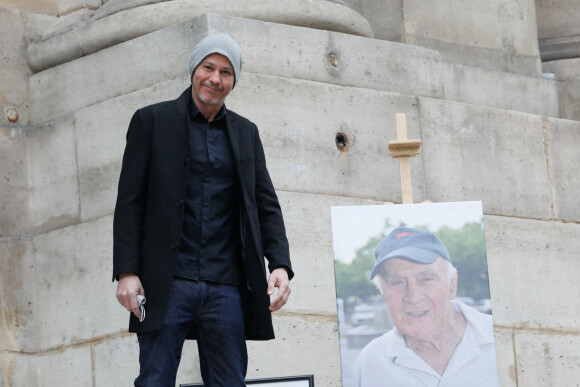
{"x":196,"y":214}
{"x":436,"y":341}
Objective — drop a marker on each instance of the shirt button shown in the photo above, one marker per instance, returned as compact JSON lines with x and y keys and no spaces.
{"x":180,"y":203}
{"x":174,"y":245}
{"x":186,"y":161}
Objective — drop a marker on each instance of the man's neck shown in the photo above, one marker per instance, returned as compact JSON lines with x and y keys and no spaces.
{"x":210,"y":111}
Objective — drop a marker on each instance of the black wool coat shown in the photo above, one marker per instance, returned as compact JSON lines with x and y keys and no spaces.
{"x":149,"y":212}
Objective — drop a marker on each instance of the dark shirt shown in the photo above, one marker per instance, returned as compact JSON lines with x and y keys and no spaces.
{"x":209,"y":248}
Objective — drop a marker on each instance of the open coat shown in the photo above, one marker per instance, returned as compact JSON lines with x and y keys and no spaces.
{"x":150,"y":206}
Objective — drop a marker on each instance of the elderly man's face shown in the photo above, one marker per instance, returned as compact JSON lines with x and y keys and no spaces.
{"x":418,"y":296}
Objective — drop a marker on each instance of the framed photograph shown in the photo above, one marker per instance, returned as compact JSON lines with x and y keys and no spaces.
{"x":288,"y":381}
{"x":392,"y":244}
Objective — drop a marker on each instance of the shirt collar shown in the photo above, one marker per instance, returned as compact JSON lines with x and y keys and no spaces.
{"x":194,"y":111}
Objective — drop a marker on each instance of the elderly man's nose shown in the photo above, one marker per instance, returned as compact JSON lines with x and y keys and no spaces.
{"x":412,"y":292}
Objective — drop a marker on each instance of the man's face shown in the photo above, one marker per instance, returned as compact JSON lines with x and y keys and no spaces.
{"x":418,"y":296}
{"x":212,"y":81}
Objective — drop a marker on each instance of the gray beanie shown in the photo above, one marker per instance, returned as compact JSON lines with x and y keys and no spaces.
{"x":217,"y":44}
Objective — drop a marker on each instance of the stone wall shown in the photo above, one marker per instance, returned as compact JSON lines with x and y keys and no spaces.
{"x":489,"y":133}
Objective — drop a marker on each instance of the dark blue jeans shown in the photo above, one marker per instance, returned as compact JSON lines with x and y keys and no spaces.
{"x":215,"y":312}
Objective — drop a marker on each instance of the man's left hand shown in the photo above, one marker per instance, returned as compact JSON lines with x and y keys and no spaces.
{"x":279,"y":279}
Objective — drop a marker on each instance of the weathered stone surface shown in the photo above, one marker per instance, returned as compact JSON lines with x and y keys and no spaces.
{"x":13,"y":67}
{"x":475,"y":153}
{"x":299,"y":136}
{"x":479,"y":86}
{"x":39,"y":174}
{"x":476,"y":33}
{"x":557,"y":18}
{"x":100,"y":131}
{"x":313,"y":288}
{"x":54,"y":199}
{"x":383,"y":16}
{"x":504,"y":353}
{"x":52,"y":7}
{"x":294,"y":121}
{"x":128,"y":67}
{"x":14,"y":177}
{"x":564,"y":137}
{"x":69,"y":367}
{"x":116,"y":361}
{"x":130,"y":23}
{"x":18,"y":325}
{"x":558,"y":29}
{"x":315,"y":337}
{"x":570,"y":99}
{"x":304,"y":345}
{"x":547,"y":359}
{"x":73,"y":279}
{"x":533,"y":264}
{"x":564,"y":69}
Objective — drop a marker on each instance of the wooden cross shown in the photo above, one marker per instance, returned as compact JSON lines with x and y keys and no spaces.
{"x":402,"y":148}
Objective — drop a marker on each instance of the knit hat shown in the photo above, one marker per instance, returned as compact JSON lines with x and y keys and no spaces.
{"x":217,"y":44}
{"x":409,"y":243}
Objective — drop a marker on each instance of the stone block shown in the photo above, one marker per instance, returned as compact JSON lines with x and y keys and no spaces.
{"x":313,"y":288}
{"x":14,"y":175}
{"x":474,"y":33}
{"x":570,"y":99}
{"x":476,"y":153}
{"x":116,"y":361}
{"x":292,"y":120}
{"x":557,"y":18}
{"x":54,"y":7}
{"x":504,"y":353}
{"x":502,"y":90}
{"x":100,"y":132}
{"x":547,"y":359}
{"x":120,"y":21}
{"x":532,"y":273}
{"x":383,"y":16}
{"x":304,"y":345}
{"x":299,"y":133}
{"x":313,"y":337}
{"x":558,"y":29}
{"x":310,"y":54}
{"x":73,"y":285}
{"x":70,"y":367}
{"x":13,"y":66}
{"x":564,"y":137}
{"x":54,"y":199}
{"x":19,"y":323}
{"x":564,"y":69}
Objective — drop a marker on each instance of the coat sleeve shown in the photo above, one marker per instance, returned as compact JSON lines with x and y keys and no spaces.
{"x":132,"y":198}
{"x":272,"y":229}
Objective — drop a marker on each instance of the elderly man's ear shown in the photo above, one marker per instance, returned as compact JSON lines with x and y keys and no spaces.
{"x":453,"y":287}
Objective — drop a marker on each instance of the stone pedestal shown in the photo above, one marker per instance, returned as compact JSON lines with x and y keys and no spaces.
{"x":121,"y":20}
{"x":496,"y":35}
{"x":558,"y":29}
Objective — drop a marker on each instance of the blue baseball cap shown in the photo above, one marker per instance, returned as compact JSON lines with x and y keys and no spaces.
{"x":409,"y":243}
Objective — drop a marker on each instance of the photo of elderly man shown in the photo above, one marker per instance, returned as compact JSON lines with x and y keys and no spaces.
{"x":436,"y":340}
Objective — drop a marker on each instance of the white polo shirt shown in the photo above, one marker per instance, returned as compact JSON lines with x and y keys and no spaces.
{"x":386,"y":361}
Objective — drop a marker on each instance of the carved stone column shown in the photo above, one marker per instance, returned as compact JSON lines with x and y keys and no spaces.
{"x":121,"y":20}
{"x":558,"y":29}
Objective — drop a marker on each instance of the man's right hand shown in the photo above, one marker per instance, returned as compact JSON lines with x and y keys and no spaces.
{"x":127,"y":289}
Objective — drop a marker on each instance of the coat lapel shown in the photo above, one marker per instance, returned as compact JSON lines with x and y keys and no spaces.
{"x":233,"y":135}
